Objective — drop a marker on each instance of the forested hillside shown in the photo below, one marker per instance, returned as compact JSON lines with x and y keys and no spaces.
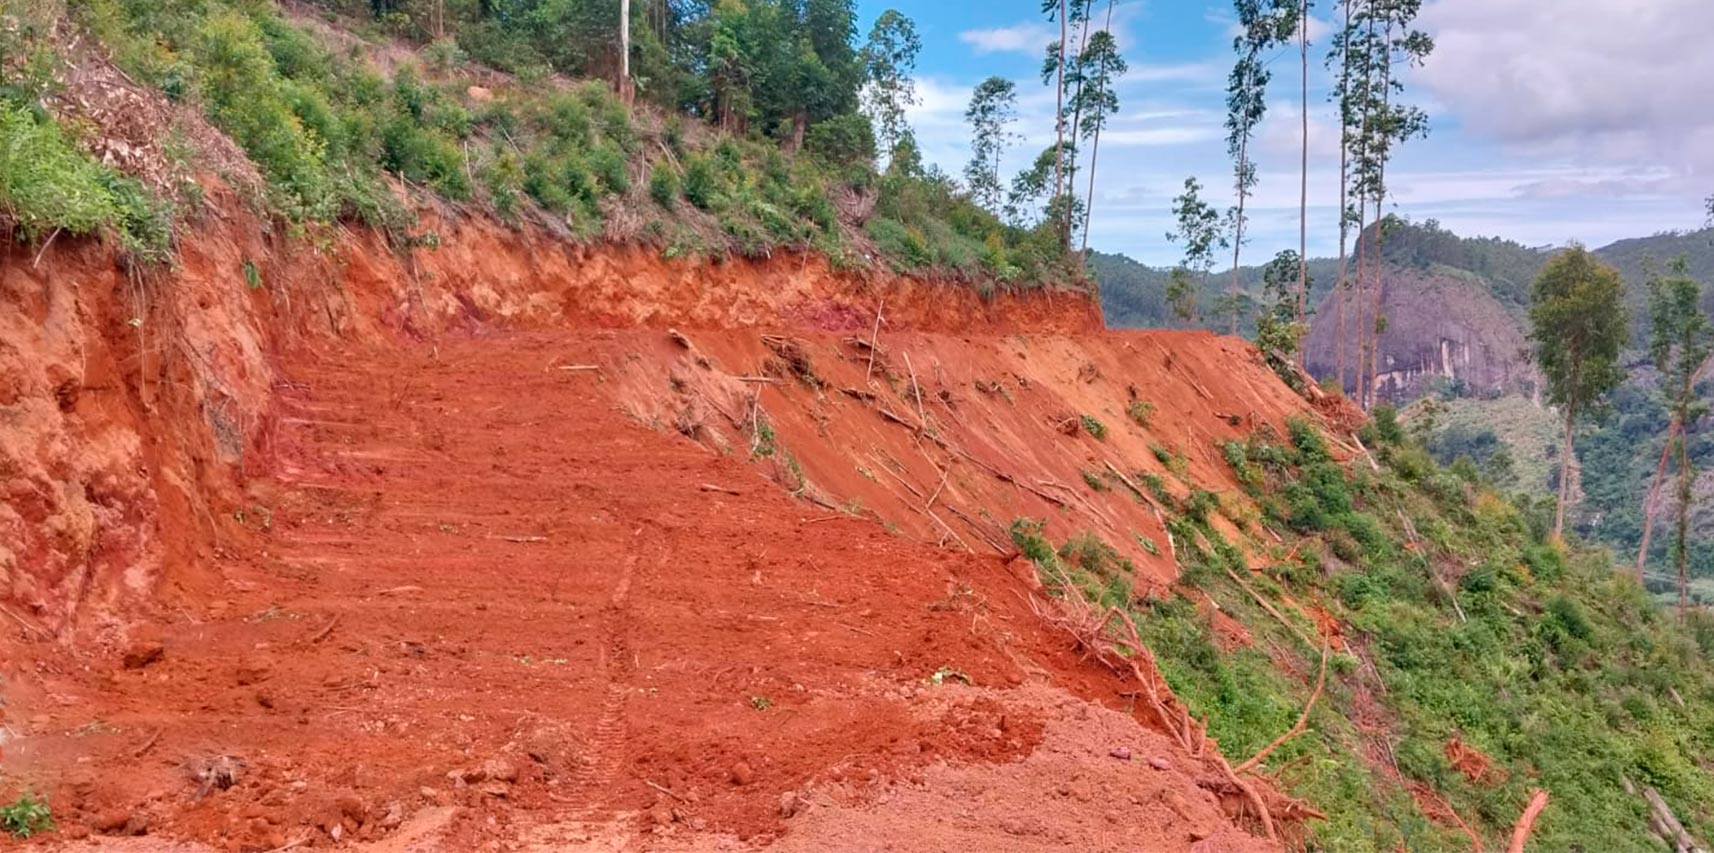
{"x":757,"y":127}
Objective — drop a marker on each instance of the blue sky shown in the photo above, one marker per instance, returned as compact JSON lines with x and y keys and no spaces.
{"x":1591,"y":123}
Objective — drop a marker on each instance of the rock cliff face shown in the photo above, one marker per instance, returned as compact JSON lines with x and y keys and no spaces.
{"x":1442,"y":328}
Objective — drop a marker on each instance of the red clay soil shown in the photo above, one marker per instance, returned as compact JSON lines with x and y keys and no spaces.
{"x":477,"y":606}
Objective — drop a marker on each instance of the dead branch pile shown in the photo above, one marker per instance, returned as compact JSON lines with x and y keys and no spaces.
{"x":1127,"y":654}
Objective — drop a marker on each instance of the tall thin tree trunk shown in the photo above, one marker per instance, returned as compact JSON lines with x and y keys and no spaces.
{"x":1303,"y":197}
{"x":1059,"y":110}
{"x":625,"y":87}
{"x":1238,"y":223}
{"x":1649,"y":499}
{"x":1357,"y":301}
{"x":1377,"y":269}
{"x":1379,"y":264}
{"x":1094,"y":149}
{"x":1089,"y":207}
{"x":1077,"y":108}
{"x":1566,"y":462}
{"x":1686,"y":480}
{"x":1344,"y":221}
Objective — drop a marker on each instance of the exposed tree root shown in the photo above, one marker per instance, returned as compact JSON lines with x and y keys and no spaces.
{"x":1127,"y":653}
{"x":1526,"y":821}
{"x":1302,"y":720}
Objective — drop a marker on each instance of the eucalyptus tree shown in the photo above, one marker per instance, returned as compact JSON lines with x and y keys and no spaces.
{"x":1263,"y":25}
{"x":1578,"y":327}
{"x":1201,"y":233}
{"x":1302,"y":327}
{"x":1388,"y":40}
{"x":1348,"y":83}
{"x":888,"y":59}
{"x":993,"y":108}
{"x":1681,"y":341}
{"x":1102,"y":67}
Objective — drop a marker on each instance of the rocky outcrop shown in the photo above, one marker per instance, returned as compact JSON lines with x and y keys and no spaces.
{"x":1444,"y":329}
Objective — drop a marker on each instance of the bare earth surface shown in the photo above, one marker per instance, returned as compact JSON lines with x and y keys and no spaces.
{"x":480,"y":606}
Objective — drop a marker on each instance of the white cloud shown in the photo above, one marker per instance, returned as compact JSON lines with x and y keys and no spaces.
{"x":1600,"y":82}
{"x":1029,"y":37}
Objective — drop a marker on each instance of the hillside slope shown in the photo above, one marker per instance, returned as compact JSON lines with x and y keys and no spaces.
{"x":458,"y":531}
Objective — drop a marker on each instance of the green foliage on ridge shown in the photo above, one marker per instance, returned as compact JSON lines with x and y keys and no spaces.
{"x":337,"y":118}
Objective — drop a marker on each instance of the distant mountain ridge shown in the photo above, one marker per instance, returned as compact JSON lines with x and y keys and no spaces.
{"x":1456,"y":307}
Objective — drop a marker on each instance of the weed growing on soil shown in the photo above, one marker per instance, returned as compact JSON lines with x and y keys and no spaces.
{"x":1093,"y":427}
{"x":26,"y":816}
{"x":1094,"y":480}
{"x":1141,"y":413}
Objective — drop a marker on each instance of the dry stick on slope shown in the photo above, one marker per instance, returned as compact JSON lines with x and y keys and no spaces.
{"x":1269,"y":607}
{"x":874,"y":339}
{"x":916,"y":391}
{"x":1079,"y":618}
{"x":1526,"y":821}
{"x":1302,"y":720}
{"x":1667,"y":824}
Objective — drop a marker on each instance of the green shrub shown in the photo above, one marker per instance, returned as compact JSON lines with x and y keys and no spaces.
{"x":702,"y":183}
{"x":1093,"y":427}
{"x":902,"y":244}
{"x":842,"y":140}
{"x":46,"y":184}
{"x":608,"y":164}
{"x":1141,"y":413}
{"x":25,"y":817}
{"x":664,"y":186}
{"x":424,"y":156}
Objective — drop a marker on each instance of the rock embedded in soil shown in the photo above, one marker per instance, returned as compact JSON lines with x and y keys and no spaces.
{"x":742,"y":774}
{"x":1123,"y":753}
{"x":143,"y":653}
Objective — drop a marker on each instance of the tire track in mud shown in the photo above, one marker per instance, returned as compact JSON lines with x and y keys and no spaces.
{"x":606,"y":746}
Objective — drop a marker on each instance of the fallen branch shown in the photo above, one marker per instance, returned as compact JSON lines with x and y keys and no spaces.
{"x":916,"y":390}
{"x":149,"y":744}
{"x":1667,"y":824}
{"x":521,"y":539}
{"x":28,"y":625}
{"x":948,"y":528}
{"x":937,"y":489}
{"x":322,"y":634}
{"x":866,"y":396}
{"x":665,"y":790}
{"x":1526,"y":821}
{"x":874,"y":338}
{"x":1373,"y":465}
{"x":906,"y":483}
{"x":1302,"y":720}
{"x":768,"y":379}
{"x":1133,"y":486}
{"x":580,"y":367}
{"x":980,"y":531}
{"x":1269,"y":607}
{"x":710,"y":487}
{"x":890,"y":415}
